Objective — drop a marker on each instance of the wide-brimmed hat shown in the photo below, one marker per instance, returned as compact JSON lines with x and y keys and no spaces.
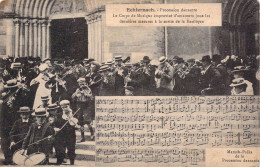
{"x":162,"y":59}
{"x":118,"y":58}
{"x":24,"y":109}
{"x":238,"y":82}
{"x":85,"y":60}
{"x":239,"y":69}
{"x":16,"y":65}
{"x":40,"y":112}
{"x":11,"y":84}
{"x":104,"y":68}
{"x":146,"y":59}
{"x":64,"y":103}
{"x":45,"y":97}
{"x":109,"y":62}
{"x":53,"y":106}
{"x":128,"y":65}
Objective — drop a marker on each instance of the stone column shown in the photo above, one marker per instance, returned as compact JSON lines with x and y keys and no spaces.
{"x":26,"y":37}
{"x":21,"y":40}
{"x":40,"y":39}
{"x":35,"y":38}
{"x":17,"y":32}
{"x":99,"y":31}
{"x":89,"y":37}
{"x":96,"y":29}
{"x":31,"y":39}
{"x":102,"y":37}
{"x":9,"y":37}
{"x":48,"y":39}
{"x":93,"y":36}
{"x":44,"y":24}
{"x":232,"y":43}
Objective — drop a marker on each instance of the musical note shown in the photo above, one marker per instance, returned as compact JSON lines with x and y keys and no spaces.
{"x":173,"y":130}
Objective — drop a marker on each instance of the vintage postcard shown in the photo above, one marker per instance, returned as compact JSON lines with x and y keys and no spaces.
{"x":130,"y":83}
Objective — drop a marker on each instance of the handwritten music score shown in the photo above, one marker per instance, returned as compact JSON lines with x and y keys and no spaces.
{"x":173,"y":130}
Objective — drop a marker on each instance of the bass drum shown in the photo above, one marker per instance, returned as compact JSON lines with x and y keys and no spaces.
{"x":19,"y":158}
{"x":35,"y":159}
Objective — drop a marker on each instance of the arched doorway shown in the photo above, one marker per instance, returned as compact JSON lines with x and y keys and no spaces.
{"x":241,"y":27}
{"x":69,"y":38}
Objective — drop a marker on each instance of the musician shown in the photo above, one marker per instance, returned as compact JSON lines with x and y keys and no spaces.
{"x":110,"y":64}
{"x":10,"y":106}
{"x":107,"y":86}
{"x":20,"y":128}
{"x":129,"y":91}
{"x":95,"y":78}
{"x":120,"y":73}
{"x":240,"y":87}
{"x":52,"y":118}
{"x":240,"y":72}
{"x":70,"y":78}
{"x":57,"y":85}
{"x":83,"y":98}
{"x":128,"y":76}
{"x":225,"y":78}
{"x":65,"y":137}
{"x":137,"y":80}
{"x":16,"y":71}
{"x":53,"y":110}
{"x":39,"y":137}
{"x":41,"y":80}
{"x":165,"y":75}
{"x":86,"y":70}
{"x":148,"y":81}
{"x":211,"y":77}
{"x":178,"y":68}
{"x":192,"y":75}
{"x":50,"y":66}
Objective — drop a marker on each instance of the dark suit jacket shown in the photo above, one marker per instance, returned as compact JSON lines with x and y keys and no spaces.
{"x":211,"y":77}
{"x":43,"y":146}
{"x":19,"y":130}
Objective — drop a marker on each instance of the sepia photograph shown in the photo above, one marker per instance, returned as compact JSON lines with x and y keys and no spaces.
{"x":130,"y":83}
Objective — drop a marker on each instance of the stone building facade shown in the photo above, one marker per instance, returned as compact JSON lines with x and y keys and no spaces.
{"x":26,"y":25}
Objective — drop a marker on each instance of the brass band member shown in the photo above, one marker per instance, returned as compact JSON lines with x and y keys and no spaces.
{"x":83,"y":99}
{"x":120,"y":73}
{"x":211,"y":78}
{"x":165,"y":75}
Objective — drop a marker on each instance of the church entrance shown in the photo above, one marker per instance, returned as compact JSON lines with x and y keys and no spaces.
{"x":69,"y":38}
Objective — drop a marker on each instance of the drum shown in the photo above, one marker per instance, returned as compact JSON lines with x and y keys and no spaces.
{"x":18,"y":158}
{"x":37,"y":158}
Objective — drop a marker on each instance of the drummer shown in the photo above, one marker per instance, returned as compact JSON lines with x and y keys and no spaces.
{"x":20,"y":128}
{"x":65,"y":135}
{"x":39,"y":130}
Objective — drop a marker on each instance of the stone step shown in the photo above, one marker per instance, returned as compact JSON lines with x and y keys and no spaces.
{"x":87,"y":145}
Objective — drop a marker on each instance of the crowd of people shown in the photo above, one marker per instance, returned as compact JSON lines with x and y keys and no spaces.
{"x":45,"y":102}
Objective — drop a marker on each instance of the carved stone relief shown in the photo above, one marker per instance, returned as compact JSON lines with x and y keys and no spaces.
{"x":68,"y":6}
